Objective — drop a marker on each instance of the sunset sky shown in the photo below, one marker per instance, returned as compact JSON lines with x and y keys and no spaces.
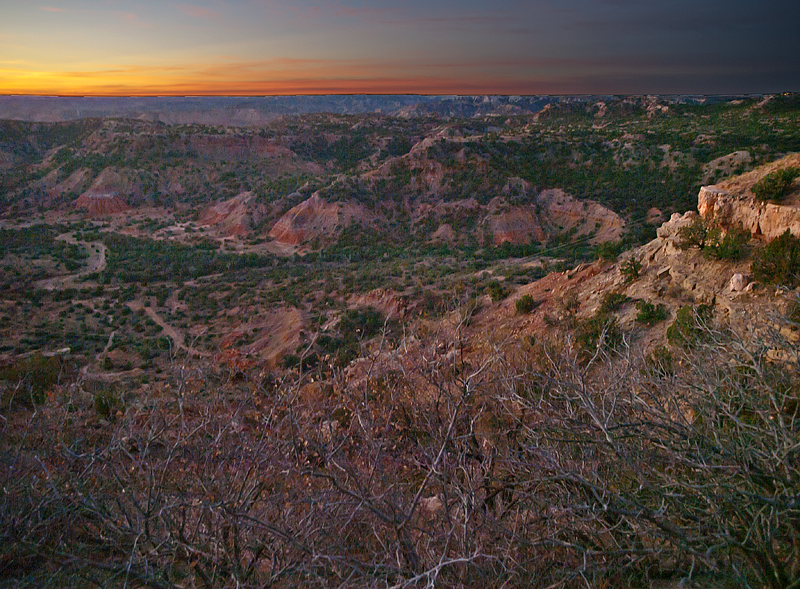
{"x":259,"y":47}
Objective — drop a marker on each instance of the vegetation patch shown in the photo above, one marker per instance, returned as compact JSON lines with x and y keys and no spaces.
{"x":526,"y":304}
{"x":690,"y":326}
{"x":600,"y":333}
{"x":730,"y":246}
{"x":775,"y":185}
{"x":649,"y":314}
{"x":779,"y":261}
{"x":612,"y":301}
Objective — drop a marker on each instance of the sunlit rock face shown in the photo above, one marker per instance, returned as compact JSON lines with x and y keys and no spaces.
{"x":731,"y":204}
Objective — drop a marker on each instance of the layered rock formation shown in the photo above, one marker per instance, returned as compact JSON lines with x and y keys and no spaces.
{"x":98,"y":205}
{"x":106,"y":195}
{"x":732,"y":204}
{"x":235,"y":216}
{"x":552,"y":212}
{"x":585,"y":216}
{"x":316,"y":219}
{"x":516,"y":225}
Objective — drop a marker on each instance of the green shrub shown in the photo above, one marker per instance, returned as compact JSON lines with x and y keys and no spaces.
{"x":630,"y":269}
{"x":612,"y":301}
{"x":779,"y":261}
{"x":775,"y":185}
{"x":650,"y":314}
{"x":692,"y":235}
{"x":599,"y":332}
{"x":731,"y":246}
{"x":609,"y":250}
{"x":496,"y":291}
{"x":688,"y":328}
{"x":526,"y":304}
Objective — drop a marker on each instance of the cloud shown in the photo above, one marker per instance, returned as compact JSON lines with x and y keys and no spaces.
{"x":128,"y":17}
{"x":51,"y":9}
{"x":198,"y":11}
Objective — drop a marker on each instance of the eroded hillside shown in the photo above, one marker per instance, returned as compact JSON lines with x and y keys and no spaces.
{"x":407,"y":351}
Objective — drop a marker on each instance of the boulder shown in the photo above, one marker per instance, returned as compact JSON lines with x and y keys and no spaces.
{"x":738,"y":283}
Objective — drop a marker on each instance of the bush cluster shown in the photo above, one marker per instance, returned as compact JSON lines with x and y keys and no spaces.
{"x":689,"y":327}
{"x":779,"y":261}
{"x":598,"y":333}
{"x":630,"y":269}
{"x":775,"y":185}
{"x":730,"y":246}
{"x":650,"y":314}
{"x":526,"y":304}
{"x":612,"y":301}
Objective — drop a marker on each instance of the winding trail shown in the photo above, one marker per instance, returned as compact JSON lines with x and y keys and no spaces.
{"x":95,"y":263}
{"x":175,"y":334}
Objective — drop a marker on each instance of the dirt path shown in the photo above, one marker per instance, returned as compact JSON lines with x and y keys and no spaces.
{"x":108,"y":343}
{"x":95,"y":263}
{"x":173,"y":333}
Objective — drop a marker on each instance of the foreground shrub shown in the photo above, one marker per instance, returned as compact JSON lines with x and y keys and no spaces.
{"x":523,"y":470}
{"x":526,"y":304}
{"x":650,"y":314}
{"x":690,"y":326}
{"x":779,"y":261}
{"x":775,"y":185}
{"x":732,"y":246}
{"x":692,"y":235}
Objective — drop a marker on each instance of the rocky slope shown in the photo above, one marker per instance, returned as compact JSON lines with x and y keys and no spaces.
{"x":732,"y":204}
{"x":235,"y":216}
{"x":106,"y":195}
{"x":314,"y":219}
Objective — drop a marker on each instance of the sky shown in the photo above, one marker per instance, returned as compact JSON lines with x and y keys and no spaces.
{"x":268,"y":47}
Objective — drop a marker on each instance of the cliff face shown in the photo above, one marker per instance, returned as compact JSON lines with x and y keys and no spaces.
{"x":732,"y":204}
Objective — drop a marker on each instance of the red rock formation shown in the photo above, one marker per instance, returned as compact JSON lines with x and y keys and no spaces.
{"x":586,"y":216}
{"x":101,"y":204}
{"x":234,"y":216}
{"x":315,"y":219}
{"x":554,"y":212}
{"x":517,"y":225}
{"x":386,"y":301}
{"x":105,"y":195}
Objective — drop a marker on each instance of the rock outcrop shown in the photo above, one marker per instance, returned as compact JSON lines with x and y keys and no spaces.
{"x":516,"y":225}
{"x":552,"y":212}
{"x":235,"y":216}
{"x":386,"y":301}
{"x":586,"y":216}
{"x":316,"y":219}
{"x":731,"y":204}
{"x":107,"y":194}
{"x":764,"y":220}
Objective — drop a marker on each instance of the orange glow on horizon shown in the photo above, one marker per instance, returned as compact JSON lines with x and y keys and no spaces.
{"x":266,"y":78}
